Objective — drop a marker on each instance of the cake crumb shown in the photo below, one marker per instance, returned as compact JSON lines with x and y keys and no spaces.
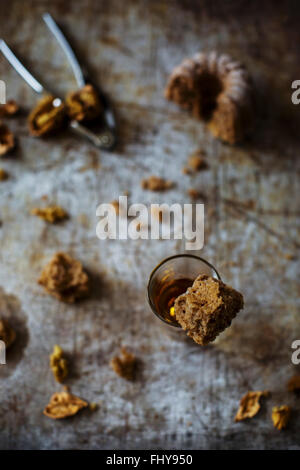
{"x":10,"y":108}
{"x":155,"y":183}
{"x":7,"y":140}
{"x":281,"y":416}
{"x":3,"y":175}
{"x":93,"y":406}
{"x":197,"y":162}
{"x":249,"y":405}
{"x":58,"y":364}
{"x":7,"y":334}
{"x":293,"y":384}
{"x":125,"y":364}
{"x":195,"y":194}
{"x":63,"y":404}
{"x":51,"y":214}
{"x":64,"y":278}
{"x":207,"y":308}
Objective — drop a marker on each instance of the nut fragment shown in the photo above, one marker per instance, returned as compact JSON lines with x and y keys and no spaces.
{"x":10,"y":108}
{"x":51,"y":214}
{"x":294,"y":384}
{"x":47,"y":116}
{"x":64,"y":404}
{"x":249,"y":405}
{"x":281,"y":416}
{"x":3,"y":175}
{"x":195,"y":194}
{"x":7,"y":334}
{"x":7,"y":140}
{"x":84,"y":104}
{"x":58,"y":364}
{"x":64,"y":278}
{"x":125,"y":364}
{"x":154,"y":183}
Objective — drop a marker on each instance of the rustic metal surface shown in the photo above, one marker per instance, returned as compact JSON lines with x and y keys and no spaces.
{"x":185,"y":397}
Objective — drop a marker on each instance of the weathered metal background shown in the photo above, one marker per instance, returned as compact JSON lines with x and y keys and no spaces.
{"x":185,"y":396}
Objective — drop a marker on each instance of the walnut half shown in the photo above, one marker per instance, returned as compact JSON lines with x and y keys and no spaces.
{"x":63,"y":404}
{"x":47,"y":116}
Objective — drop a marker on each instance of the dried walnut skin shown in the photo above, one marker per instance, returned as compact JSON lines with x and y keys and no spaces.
{"x":64,"y":278}
{"x":249,"y":405}
{"x":45,"y":117}
{"x":84,"y":104}
{"x":281,"y":416}
{"x":125,"y":364}
{"x":58,"y":364}
{"x":63,"y":404}
{"x":51,"y":214}
{"x":207,"y":308}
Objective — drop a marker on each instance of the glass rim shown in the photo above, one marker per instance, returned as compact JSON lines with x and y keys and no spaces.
{"x":161,"y":263}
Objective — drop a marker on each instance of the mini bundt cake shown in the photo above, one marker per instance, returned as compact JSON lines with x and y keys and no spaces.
{"x":217,"y":89}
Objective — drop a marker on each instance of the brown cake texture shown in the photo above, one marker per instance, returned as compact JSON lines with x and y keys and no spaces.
{"x":216,"y":89}
{"x":207,"y":308}
{"x":64,"y":278}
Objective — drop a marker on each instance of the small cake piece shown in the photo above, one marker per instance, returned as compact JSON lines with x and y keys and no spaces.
{"x":125,"y":364}
{"x":250,"y":405}
{"x":207,"y":308}
{"x":155,"y":183}
{"x":7,"y":140}
{"x":63,"y":404}
{"x":3,"y":175}
{"x":293,"y":384}
{"x":58,"y":364}
{"x":64,"y":278}
{"x":48,"y":116}
{"x":281,"y":416}
{"x":84,"y":104}
{"x":50,"y":214}
{"x":10,"y":108}
{"x":216,"y":89}
{"x":7,"y":334}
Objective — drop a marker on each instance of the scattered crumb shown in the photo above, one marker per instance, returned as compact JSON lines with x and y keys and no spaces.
{"x":64,"y":278}
{"x":125,"y":364}
{"x":207,"y":308}
{"x":186,"y":171}
{"x":3,"y":175}
{"x":51,"y":214}
{"x":116,"y":206}
{"x":64,"y":404}
{"x":58,"y":364}
{"x":7,"y":334}
{"x":197,"y":162}
{"x":293,"y":384}
{"x":126,"y":193}
{"x":93,"y":406}
{"x":10,"y":108}
{"x":195,"y":194}
{"x":281,"y":416}
{"x":250,"y":405}
{"x":154,"y":183}
{"x":289,"y":256}
{"x":7,"y":140}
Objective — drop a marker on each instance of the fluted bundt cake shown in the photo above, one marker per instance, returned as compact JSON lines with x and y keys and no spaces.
{"x":217,"y":89}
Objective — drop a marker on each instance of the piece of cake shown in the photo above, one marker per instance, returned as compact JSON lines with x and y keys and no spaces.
{"x":64,"y":278}
{"x":207,"y":308}
{"x":216,"y":89}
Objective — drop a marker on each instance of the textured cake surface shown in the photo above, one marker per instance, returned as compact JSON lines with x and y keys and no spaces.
{"x":217,"y":89}
{"x":207,"y":308}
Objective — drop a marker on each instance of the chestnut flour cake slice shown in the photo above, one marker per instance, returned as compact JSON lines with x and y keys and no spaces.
{"x":207,"y":308}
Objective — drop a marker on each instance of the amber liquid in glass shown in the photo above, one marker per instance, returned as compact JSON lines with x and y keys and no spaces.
{"x":166,"y":295}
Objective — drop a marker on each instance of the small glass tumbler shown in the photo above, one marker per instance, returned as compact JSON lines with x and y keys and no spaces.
{"x":171,"y":278}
